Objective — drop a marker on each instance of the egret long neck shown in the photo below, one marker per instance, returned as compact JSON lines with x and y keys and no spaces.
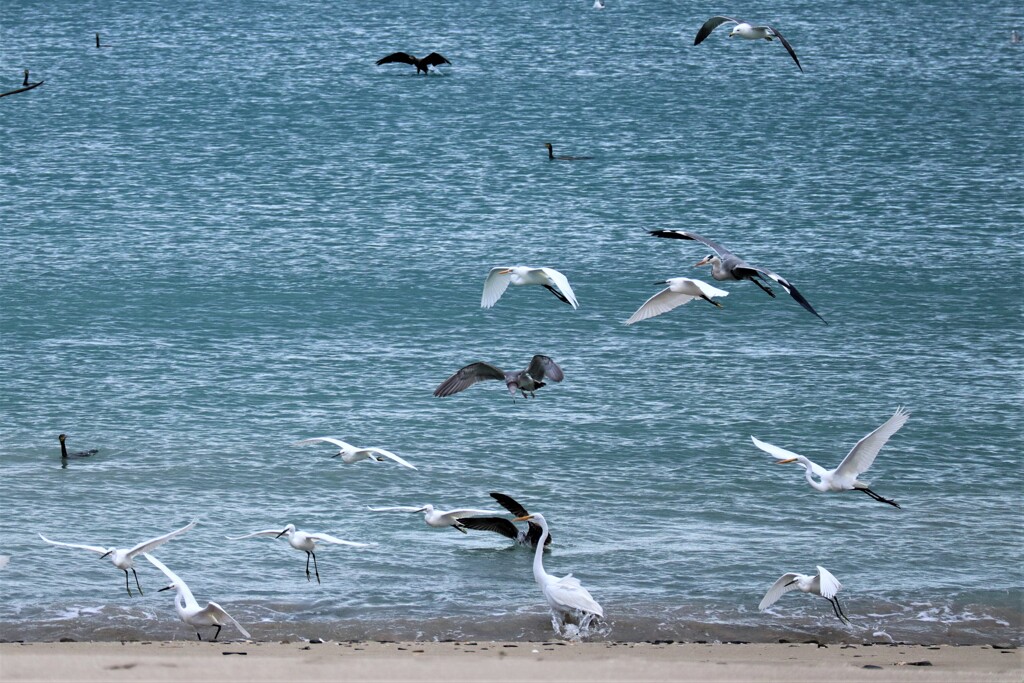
{"x":538,"y":556}
{"x":819,"y":485}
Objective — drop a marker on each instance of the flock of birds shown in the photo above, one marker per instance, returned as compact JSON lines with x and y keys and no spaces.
{"x":569,"y":601}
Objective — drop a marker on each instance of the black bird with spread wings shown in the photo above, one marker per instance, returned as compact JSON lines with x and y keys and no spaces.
{"x":433,"y":59}
{"x":726,"y":265}
{"x":506,"y":527}
{"x":524,"y":381}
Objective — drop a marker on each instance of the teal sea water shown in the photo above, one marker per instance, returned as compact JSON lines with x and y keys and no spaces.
{"x":229,"y":230}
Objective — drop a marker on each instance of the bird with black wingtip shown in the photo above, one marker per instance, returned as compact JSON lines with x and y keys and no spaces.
{"x":424,"y":64}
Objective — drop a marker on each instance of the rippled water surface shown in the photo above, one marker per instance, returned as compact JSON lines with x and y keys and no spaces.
{"x":230,"y":230}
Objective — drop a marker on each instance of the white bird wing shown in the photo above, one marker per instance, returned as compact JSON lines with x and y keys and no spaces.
{"x":562,"y":282}
{"x":327,"y":538}
{"x":662,"y":302}
{"x":337,"y":442}
{"x":162,"y":567}
{"x":785,"y":584}
{"x":570,"y":592}
{"x":863,"y":454}
{"x":709,"y":26}
{"x":707,"y":289}
{"x":494,"y":286}
{"x":94,"y":548}
{"x":398,"y":508}
{"x":152,"y":543}
{"x":828,"y":584}
{"x":216,"y":613}
{"x":468,"y":512}
{"x":783,"y":454}
{"x":265,"y":532}
{"x":389,"y":454}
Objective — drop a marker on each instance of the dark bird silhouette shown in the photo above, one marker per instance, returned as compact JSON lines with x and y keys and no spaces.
{"x":433,"y":59}
{"x":25,"y":85}
{"x":523,"y":381}
{"x":506,"y":527}
{"x":64,"y":455}
{"x":745,"y":30}
{"x":726,"y":265}
{"x":551,"y":155}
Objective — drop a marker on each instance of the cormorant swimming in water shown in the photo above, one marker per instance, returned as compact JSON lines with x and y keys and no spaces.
{"x":433,"y":59}
{"x":551,"y":155}
{"x":64,"y":455}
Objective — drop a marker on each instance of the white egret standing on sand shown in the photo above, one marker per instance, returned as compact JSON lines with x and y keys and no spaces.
{"x":122,"y":557}
{"x":550,"y":279}
{"x":302,"y":540}
{"x":350,"y":454}
{"x":568,"y":599}
{"x":857,"y":461}
{"x":680,"y":290}
{"x":438,"y":518}
{"x":745,"y":30}
{"x":189,"y":610}
{"x":822,"y":583}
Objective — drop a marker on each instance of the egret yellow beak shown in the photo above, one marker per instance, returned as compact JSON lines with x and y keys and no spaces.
{"x":523,"y":518}
{"x":506,"y":271}
{"x":783,"y":462}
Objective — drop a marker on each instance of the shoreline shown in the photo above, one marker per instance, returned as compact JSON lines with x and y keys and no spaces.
{"x":496,"y":661}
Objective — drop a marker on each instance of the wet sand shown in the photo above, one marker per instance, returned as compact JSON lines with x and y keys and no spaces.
{"x":493,"y":662}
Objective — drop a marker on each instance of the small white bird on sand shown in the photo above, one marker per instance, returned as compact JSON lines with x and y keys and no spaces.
{"x":680,"y":290}
{"x":302,"y":540}
{"x":438,"y":518}
{"x":189,"y":610}
{"x":856,"y":462}
{"x":350,"y":454}
{"x":746,"y":30}
{"x":822,"y":583}
{"x":501,"y":277}
{"x":123,"y":557}
{"x":570,"y":602}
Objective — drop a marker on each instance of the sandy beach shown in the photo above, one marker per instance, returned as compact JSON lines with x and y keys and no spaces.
{"x":503,"y":661}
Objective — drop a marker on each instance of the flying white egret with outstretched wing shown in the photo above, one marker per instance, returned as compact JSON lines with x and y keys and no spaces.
{"x":822,"y":583}
{"x":438,"y":518}
{"x":501,"y":277}
{"x":856,"y":462}
{"x":189,"y":610}
{"x":680,"y":290}
{"x":350,"y":454}
{"x":123,"y":557}
{"x":303,"y":540}
{"x":570,"y":602}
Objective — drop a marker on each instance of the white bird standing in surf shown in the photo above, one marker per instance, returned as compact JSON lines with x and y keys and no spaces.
{"x":350,"y":454}
{"x":856,"y":462}
{"x":302,"y":540}
{"x":743,"y":29}
{"x":570,"y":602}
{"x":822,"y":583}
{"x":438,"y":518}
{"x":123,"y":557}
{"x":189,"y":610}
{"x":680,"y":290}
{"x":501,"y":277}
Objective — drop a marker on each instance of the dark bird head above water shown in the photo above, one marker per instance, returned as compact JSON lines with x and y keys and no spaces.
{"x":424,"y":64}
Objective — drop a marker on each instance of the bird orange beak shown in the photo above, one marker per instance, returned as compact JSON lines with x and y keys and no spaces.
{"x":506,"y":271}
{"x":523,"y":518}
{"x":702,"y":262}
{"x":783,"y":462}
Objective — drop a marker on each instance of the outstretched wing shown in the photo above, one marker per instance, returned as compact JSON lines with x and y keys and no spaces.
{"x":494,"y":286}
{"x":402,"y":57}
{"x":562,"y":282}
{"x":863,"y":454}
{"x":162,"y":567}
{"x":266,"y":532}
{"x":685,"y":235}
{"x":783,"y":454}
{"x":217,"y":615}
{"x":786,"y":583}
{"x":94,"y":548}
{"x":152,"y":543}
{"x":828,"y":584}
{"x":468,"y":512}
{"x":327,"y":439}
{"x":510,"y":504}
{"x":748,"y":269}
{"x":389,"y":454}
{"x":398,"y":508}
{"x":467,"y":377}
{"x":497,"y":524}
{"x":709,"y":26}
{"x":785,"y":44}
{"x":327,"y":538}
{"x":543,"y":367}
{"x":662,"y":302}
{"x":436,"y":59}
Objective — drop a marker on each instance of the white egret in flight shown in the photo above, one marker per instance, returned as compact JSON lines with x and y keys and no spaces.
{"x":189,"y":610}
{"x":438,"y":518}
{"x":568,"y":599}
{"x":350,"y":454}
{"x":857,"y":461}
{"x":680,"y":290}
{"x":123,"y":557}
{"x":822,"y":583}
{"x":302,"y":540}
{"x":550,"y":279}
